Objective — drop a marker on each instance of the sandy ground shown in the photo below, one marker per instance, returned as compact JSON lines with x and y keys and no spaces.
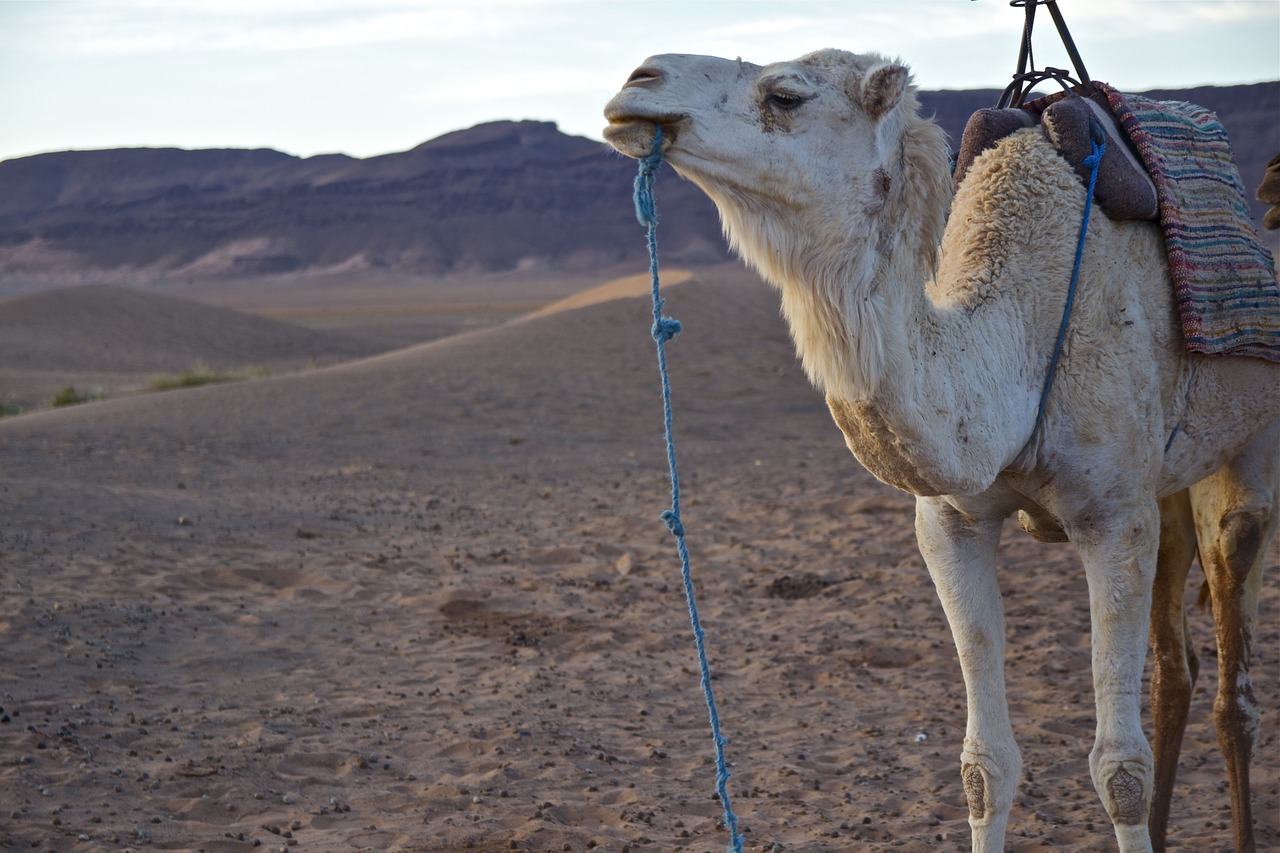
{"x":423,"y":601}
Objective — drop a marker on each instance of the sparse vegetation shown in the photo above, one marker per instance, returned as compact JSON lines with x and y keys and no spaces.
{"x":202,"y":374}
{"x":6,"y":409}
{"x":67,"y":395}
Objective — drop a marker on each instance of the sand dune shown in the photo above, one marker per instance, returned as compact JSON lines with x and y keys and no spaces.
{"x":422,"y":601}
{"x":626,"y":287}
{"x":115,"y":338}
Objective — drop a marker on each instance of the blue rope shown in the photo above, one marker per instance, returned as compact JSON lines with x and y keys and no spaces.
{"x":1098,"y":143}
{"x":664,"y":329}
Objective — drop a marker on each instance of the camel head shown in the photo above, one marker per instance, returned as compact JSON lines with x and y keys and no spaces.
{"x":814,"y":138}
{"x":730,"y":124}
{"x":822,"y":170}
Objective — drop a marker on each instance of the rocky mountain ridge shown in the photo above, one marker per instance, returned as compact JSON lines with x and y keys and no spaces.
{"x":496,"y":197}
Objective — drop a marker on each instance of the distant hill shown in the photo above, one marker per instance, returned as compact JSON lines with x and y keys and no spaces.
{"x":117,"y":339}
{"x":118,"y":329}
{"x":499,"y":196}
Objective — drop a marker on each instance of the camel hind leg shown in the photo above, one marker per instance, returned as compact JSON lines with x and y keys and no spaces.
{"x":1235,"y":515}
{"x":1175,"y":665}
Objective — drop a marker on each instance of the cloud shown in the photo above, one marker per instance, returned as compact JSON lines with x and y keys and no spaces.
{"x":157,"y":28}
{"x":307,"y":75}
{"x":1098,"y":18}
{"x":510,"y":84}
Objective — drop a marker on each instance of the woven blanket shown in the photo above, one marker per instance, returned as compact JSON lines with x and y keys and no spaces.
{"x":1224,"y":279}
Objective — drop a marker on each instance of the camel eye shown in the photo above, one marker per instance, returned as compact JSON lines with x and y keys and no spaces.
{"x":785,"y":100}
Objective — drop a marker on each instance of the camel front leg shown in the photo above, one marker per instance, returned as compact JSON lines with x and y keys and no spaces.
{"x":1235,"y":513}
{"x":960,"y":553}
{"x":1175,"y":665}
{"x":1118,"y":548}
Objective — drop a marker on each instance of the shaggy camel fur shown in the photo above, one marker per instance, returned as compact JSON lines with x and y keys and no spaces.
{"x":932,"y":358}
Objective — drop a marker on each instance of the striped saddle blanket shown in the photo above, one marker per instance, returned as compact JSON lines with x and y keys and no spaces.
{"x":1224,"y":279}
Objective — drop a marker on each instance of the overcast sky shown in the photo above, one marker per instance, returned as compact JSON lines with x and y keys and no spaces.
{"x":371,"y":77}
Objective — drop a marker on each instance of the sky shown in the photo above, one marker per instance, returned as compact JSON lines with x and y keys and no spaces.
{"x":377,"y":76}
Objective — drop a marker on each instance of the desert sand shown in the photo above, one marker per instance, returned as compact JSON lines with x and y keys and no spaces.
{"x":422,"y":600}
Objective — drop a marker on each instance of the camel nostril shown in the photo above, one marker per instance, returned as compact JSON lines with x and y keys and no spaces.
{"x":642,"y":75}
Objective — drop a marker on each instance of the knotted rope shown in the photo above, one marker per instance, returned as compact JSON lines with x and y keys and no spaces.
{"x":1098,"y":144}
{"x":664,"y":329}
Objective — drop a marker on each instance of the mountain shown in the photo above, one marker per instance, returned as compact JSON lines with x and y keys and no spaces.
{"x":496,"y":197}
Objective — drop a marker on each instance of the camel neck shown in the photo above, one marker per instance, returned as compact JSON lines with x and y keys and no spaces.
{"x":852,"y":273}
{"x":913,"y":342}
{"x":964,"y":346}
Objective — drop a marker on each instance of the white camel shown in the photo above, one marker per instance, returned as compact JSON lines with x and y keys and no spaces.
{"x":932,"y":358}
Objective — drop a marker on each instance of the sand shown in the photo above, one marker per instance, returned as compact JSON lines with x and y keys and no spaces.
{"x":423,"y":601}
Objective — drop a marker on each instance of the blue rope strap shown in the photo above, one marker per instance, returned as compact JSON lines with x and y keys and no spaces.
{"x":664,"y":329}
{"x":1098,"y":144}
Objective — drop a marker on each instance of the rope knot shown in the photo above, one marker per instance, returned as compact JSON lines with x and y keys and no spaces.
{"x":665,"y":328}
{"x":1098,"y":142}
{"x":673,"y":522}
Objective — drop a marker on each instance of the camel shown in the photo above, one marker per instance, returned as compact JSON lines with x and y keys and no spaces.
{"x":928,"y":317}
{"x":1269,"y":192}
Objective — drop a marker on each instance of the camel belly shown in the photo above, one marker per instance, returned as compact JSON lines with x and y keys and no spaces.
{"x":1222,"y":405}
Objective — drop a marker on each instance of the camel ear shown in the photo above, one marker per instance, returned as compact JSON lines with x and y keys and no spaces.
{"x":883,"y":87}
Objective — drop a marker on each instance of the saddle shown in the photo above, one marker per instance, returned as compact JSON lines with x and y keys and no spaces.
{"x":1123,"y":189}
{"x":1168,"y":161}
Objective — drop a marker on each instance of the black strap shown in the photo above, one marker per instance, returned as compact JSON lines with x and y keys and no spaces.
{"x":1025,"y":80}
